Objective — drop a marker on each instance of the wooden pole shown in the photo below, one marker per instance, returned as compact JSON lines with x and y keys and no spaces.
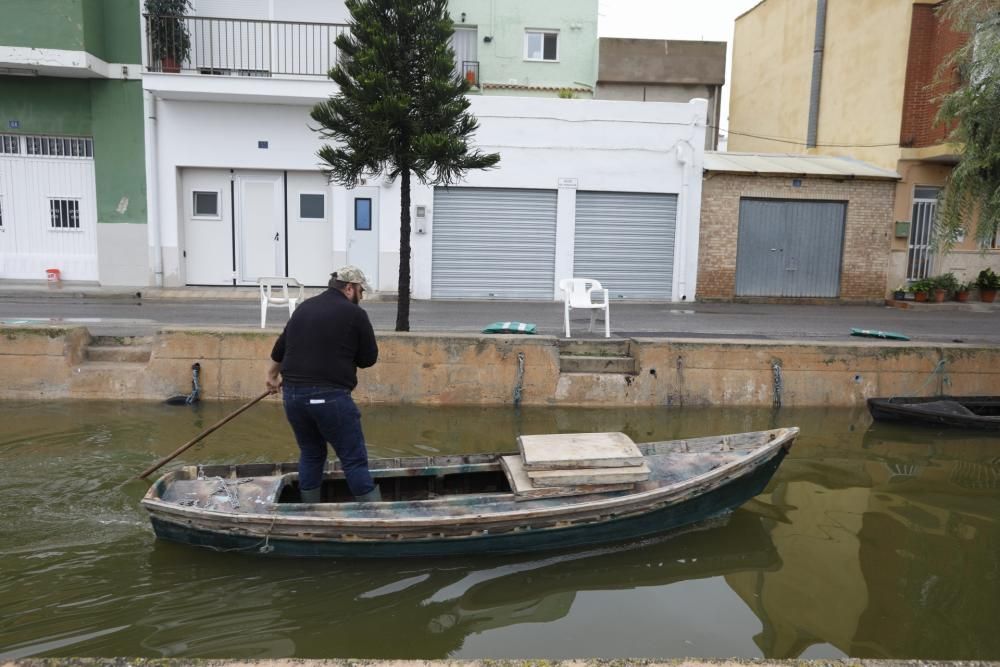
{"x":190,"y":443}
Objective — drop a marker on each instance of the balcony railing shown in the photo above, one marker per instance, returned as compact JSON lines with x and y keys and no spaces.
{"x":240,"y":47}
{"x":470,"y":72}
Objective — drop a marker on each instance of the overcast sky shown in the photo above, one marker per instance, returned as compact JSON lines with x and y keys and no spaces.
{"x":710,"y":20}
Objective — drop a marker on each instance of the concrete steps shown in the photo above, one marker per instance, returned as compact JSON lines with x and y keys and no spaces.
{"x":596,"y":356}
{"x":109,"y":350}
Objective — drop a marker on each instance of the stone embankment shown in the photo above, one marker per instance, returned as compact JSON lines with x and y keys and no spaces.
{"x":444,"y":369}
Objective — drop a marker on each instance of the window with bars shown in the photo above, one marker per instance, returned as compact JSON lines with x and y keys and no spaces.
{"x":70,"y":147}
{"x":10,"y":144}
{"x":64,"y":213}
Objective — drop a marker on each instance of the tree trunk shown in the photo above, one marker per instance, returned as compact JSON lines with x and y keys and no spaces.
{"x":403,"y":304}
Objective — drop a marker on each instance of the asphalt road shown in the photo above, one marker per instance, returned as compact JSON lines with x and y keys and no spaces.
{"x":976,"y":323}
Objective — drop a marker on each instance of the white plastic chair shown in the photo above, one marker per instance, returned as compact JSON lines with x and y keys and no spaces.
{"x":268,"y":297}
{"x":577,"y":294}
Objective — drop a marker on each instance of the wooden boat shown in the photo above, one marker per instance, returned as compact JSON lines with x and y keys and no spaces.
{"x":970,"y":412}
{"x":462,"y":504}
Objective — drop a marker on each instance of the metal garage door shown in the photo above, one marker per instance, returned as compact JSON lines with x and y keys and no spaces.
{"x":626,"y":241}
{"x":493,"y":243}
{"x":790,"y":248}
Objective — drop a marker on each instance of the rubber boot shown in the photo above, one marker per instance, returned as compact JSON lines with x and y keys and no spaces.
{"x":373,"y":496}
{"x":310,"y":495}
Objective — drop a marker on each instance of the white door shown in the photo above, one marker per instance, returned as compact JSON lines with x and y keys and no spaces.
{"x":208,"y":227}
{"x":49,"y":214}
{"x":260,"y":225}
{"x":362,"y":232}
{"x":310,"y":228}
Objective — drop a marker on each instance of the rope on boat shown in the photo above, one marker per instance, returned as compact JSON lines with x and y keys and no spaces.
{"x":778,"y":384}
{"x":938,"y":368}
{"x":519,"y":384}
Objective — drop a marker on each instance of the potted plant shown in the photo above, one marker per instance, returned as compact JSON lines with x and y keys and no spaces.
{"x":920,"y":288}
{"x":988,"y":282}
{"x":169,"y":40}
{"x":962,"y":291}
{"x":942,"y":285}
{"x":899,"y":293}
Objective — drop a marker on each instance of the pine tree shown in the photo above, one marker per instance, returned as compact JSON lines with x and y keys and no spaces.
{"x":973,"y":188}
{"x":401,"y":109}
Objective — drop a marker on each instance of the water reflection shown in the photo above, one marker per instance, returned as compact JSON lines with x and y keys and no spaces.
{"x":871,"y":541}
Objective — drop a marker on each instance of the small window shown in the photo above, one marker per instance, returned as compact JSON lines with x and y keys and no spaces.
{"x":312,"y":207}
{"x":206,"y":204}
{"x":68,"y":147}
{"x":1,"y":213}
{"x":10,"y":144}
{"x":541,"y":45}
{"x":64,"y":213}
{"x":363,"y":215}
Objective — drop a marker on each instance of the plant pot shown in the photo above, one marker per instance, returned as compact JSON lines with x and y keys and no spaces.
{"x":920,"y":296}
{"x":939,"y":295}
{"x":962,"y":296}
{"x":987,"y":295}
{"x":169,"y":65}
{"x":899,"y":296}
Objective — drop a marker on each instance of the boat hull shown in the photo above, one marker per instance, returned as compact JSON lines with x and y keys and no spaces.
{"x":910,"y":410}
{"x":721,"y":499}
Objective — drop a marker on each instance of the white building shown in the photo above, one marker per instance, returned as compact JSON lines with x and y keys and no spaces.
{"x":606,"y":190}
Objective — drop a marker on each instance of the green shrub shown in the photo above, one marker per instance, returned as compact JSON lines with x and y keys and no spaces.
{"x":988,"y":280}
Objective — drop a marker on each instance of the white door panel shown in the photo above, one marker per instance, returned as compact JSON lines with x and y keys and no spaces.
{"x":362,"y":232}
{"x":30,"y":242}
{"x":260,"y":225}
{"x":310,"y":228}
{"x":208,"y":236}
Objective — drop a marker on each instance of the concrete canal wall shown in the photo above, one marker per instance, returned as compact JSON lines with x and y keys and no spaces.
{"x":442,"y":369}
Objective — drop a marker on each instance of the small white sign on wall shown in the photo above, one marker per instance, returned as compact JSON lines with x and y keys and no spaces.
{"x":569,"y":182}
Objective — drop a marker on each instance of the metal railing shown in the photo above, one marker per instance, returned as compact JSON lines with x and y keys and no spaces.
{"x":470,"y":72}
{"x":240,"y":47}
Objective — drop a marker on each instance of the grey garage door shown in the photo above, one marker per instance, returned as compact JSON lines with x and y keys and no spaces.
{"x":493,"y":243}
{"x":790,"y":248}
{"x":625,"y":240}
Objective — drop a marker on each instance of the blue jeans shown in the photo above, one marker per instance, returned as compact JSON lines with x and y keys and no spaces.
{"x":321,"y":415}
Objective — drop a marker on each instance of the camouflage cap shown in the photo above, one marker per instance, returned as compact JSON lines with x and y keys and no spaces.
{"x":352,"y":274}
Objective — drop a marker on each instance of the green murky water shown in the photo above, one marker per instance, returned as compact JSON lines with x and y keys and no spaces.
{"x":871,"y":541}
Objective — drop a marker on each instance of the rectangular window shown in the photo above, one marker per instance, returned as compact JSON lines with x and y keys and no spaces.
{"x":10,"y":144}
{"x":363,"y":215}
{"x":64,"y":213}
{"x":312,"y":207}
{"x":541,"y":45}
{"x":206,"y":204}
{"x":69,"y":147}
{"x":1,"y":214}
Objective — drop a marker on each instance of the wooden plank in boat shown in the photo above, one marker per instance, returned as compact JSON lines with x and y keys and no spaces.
{"x":523,"y":489}
{"x":578,"y":450}
{"x":584,"y":476}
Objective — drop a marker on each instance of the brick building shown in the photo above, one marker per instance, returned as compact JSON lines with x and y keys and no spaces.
{"x":794,"y":227}
{"x":858,"y":78}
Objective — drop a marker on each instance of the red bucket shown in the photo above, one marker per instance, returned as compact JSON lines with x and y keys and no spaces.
{"x":53,"y":275}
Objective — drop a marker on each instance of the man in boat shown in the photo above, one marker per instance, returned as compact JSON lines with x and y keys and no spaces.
{"x":315,"y":363}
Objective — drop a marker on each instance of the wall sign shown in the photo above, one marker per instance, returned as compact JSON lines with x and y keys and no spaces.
{"x":13,"y":124}
{"x":569,"y":182}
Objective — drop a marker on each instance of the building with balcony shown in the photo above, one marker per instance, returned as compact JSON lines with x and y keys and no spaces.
{"x":72,"y":186}
{"x":856,"y":78}
{"x":609,"y":190}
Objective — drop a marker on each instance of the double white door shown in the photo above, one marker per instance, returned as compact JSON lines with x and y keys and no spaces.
{"x":234,"y":226}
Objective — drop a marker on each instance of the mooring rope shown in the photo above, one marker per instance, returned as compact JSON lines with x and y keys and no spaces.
{"x":778,"y":385}
{"x":937,"y":369}
{"x":519,"y":384}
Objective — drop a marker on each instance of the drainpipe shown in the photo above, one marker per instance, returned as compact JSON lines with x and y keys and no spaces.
{"x":817,"y":73}
{"x":682,"y":210}
{"x":153,"y":187}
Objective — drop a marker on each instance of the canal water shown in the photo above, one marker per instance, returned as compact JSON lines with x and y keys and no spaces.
{"x":871,"y":542}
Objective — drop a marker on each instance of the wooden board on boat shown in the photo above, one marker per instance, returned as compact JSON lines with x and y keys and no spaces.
{"x":524,"y":489}
{"x":584,"y":476}
{"x":578,"y":450}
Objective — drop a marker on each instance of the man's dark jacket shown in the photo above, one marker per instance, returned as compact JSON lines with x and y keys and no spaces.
{"x":324,"y":343}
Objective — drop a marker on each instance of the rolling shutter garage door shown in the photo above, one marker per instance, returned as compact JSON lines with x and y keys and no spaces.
{"x":625,"y":240}
{"x":493,"y":243}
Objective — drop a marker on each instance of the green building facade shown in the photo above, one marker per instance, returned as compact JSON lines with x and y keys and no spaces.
{"x":71,"y":110}
{"x":526,"y":47}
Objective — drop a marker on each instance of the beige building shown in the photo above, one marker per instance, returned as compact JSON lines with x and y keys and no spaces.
{"x":856,"y":78}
